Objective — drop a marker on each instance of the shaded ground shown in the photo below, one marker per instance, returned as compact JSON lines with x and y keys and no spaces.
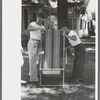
{"x":83,"y":91}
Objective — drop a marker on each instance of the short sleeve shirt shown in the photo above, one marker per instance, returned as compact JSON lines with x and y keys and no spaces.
{"x":73,"y":42}
{"x":37,"y":33}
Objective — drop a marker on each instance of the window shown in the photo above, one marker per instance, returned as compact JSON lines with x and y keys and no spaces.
{"x":34,"y":16}
{"x":25,"y":18}
{"x":81,"y":24}
{"x":72,"y":23}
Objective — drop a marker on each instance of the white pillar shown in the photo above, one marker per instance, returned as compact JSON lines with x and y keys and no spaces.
{"x":11,"y":50}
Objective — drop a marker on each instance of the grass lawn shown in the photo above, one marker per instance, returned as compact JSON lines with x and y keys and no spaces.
{"x":82,"y":91}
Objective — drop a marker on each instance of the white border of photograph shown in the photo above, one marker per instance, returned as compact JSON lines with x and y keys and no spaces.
{"x":11,"y":50}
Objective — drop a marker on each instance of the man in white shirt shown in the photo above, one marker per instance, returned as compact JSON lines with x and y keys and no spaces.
{"x":35,"y":29}
{"x":79,"y":58}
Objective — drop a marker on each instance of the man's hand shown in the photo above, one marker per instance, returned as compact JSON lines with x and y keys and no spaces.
{"x":63,"y":32}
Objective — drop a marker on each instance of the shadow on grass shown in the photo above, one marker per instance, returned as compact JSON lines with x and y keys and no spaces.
{"x":83,"y":91}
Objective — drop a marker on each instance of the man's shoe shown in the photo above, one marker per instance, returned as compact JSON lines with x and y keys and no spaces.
{"x":34,"y":84}
{"x":23,"y":82}
{"x":80,"y":80}
{"x":73,"y":81}
{"x":70,"y":79}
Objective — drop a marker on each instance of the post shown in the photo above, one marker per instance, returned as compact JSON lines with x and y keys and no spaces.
{"x":63,"y":60}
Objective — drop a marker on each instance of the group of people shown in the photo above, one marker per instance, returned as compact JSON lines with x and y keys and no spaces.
{"x":36,"y":28}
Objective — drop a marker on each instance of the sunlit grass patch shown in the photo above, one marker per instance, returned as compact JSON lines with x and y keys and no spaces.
{"x":74,"y":92}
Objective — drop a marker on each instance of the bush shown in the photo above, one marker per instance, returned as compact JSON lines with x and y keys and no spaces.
{"x":24,"y":38}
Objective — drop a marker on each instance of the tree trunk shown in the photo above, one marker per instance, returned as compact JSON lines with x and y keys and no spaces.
{"x":62,"y":13}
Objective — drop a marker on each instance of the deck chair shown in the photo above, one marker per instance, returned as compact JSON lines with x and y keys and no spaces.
{"x":51,"y":65}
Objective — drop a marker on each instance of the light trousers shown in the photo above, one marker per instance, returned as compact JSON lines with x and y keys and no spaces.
{"x":33,"y":57}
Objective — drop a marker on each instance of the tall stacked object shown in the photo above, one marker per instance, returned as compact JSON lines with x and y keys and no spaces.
{"x":51,"y":64}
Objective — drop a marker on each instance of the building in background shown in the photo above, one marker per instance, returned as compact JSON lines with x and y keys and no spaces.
{"x":88,"y":20}
{"x":84,"y":25}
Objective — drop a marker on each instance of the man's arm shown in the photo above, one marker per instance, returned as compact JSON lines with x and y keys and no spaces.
{"x":31,"y":28}
{"x":70,"y":37}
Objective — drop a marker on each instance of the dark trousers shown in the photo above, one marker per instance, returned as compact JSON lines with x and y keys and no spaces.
{"x":79,"y":62}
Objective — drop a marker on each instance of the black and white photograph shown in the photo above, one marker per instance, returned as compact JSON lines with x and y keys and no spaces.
{"x":50,"y":50}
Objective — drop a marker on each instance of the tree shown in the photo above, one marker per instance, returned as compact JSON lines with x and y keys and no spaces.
{"x":62,"y":13}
